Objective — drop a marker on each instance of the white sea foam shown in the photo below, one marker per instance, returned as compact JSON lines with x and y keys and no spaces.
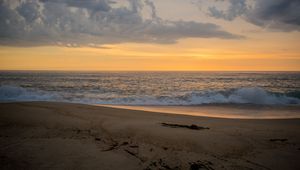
{"x":15,"y":93}
{"x":253,"y":95}
{"x":237,"y":96}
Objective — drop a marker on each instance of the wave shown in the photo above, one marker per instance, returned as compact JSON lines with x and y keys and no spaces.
{"x":251,"y":95}
{"x":254,"y":95}
{"x":15,"y":93}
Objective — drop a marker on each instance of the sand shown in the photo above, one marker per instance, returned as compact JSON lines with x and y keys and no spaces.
{"x":48,"y":135}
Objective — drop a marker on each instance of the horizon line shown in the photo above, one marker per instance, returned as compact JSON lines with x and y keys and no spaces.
{"x":154,"y":70}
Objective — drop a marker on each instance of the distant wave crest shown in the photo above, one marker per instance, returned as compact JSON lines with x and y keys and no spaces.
{"x":251,"y":95}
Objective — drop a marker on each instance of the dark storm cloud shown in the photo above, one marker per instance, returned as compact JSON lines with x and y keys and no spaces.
{"x":236,"y":8}
{"x":281,"y":15}
{"x":76,"y":22}
{"x":93,"y":5}
{"x":277,"y":14}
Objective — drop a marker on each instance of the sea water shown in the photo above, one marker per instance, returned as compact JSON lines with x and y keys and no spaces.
{"x":152,"y":88}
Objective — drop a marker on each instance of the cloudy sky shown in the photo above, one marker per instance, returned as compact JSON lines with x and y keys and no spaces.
{"x":149,"y":35}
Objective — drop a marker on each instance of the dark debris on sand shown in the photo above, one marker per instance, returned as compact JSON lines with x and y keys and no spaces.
{"x":192,"y":127}
{"x":278,"y":140}
{"x":201,"y":165}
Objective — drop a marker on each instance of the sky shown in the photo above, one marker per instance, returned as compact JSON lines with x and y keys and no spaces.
{"x":112,"y":35}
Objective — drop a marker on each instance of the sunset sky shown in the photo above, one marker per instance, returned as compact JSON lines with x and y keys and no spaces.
{"x":248,"y":35}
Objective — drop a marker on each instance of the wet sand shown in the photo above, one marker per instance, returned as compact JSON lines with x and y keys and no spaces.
{"x":47,"y":135}
{"x":245,"y":111}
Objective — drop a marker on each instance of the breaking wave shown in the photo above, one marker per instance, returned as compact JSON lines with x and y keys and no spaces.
{"x":15,"y":93}
{"x":234,"y":96}
{"x":252,"y":95}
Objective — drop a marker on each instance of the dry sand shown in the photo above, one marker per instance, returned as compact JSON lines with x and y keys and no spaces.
{"x":45,"y":135}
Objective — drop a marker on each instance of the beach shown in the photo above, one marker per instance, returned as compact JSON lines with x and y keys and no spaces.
{"x":56,"y":135}
{"x":149,"y":85}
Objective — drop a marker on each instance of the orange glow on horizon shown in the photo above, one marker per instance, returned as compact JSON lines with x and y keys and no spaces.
{"x":189,"y":55}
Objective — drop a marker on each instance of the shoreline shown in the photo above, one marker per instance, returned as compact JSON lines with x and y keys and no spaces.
{"x":41,"y":135}
{"x":222,"y":111}
{"x":226,"y":111}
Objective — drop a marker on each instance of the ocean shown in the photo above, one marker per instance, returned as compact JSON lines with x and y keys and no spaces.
{"x":152,"y":88}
